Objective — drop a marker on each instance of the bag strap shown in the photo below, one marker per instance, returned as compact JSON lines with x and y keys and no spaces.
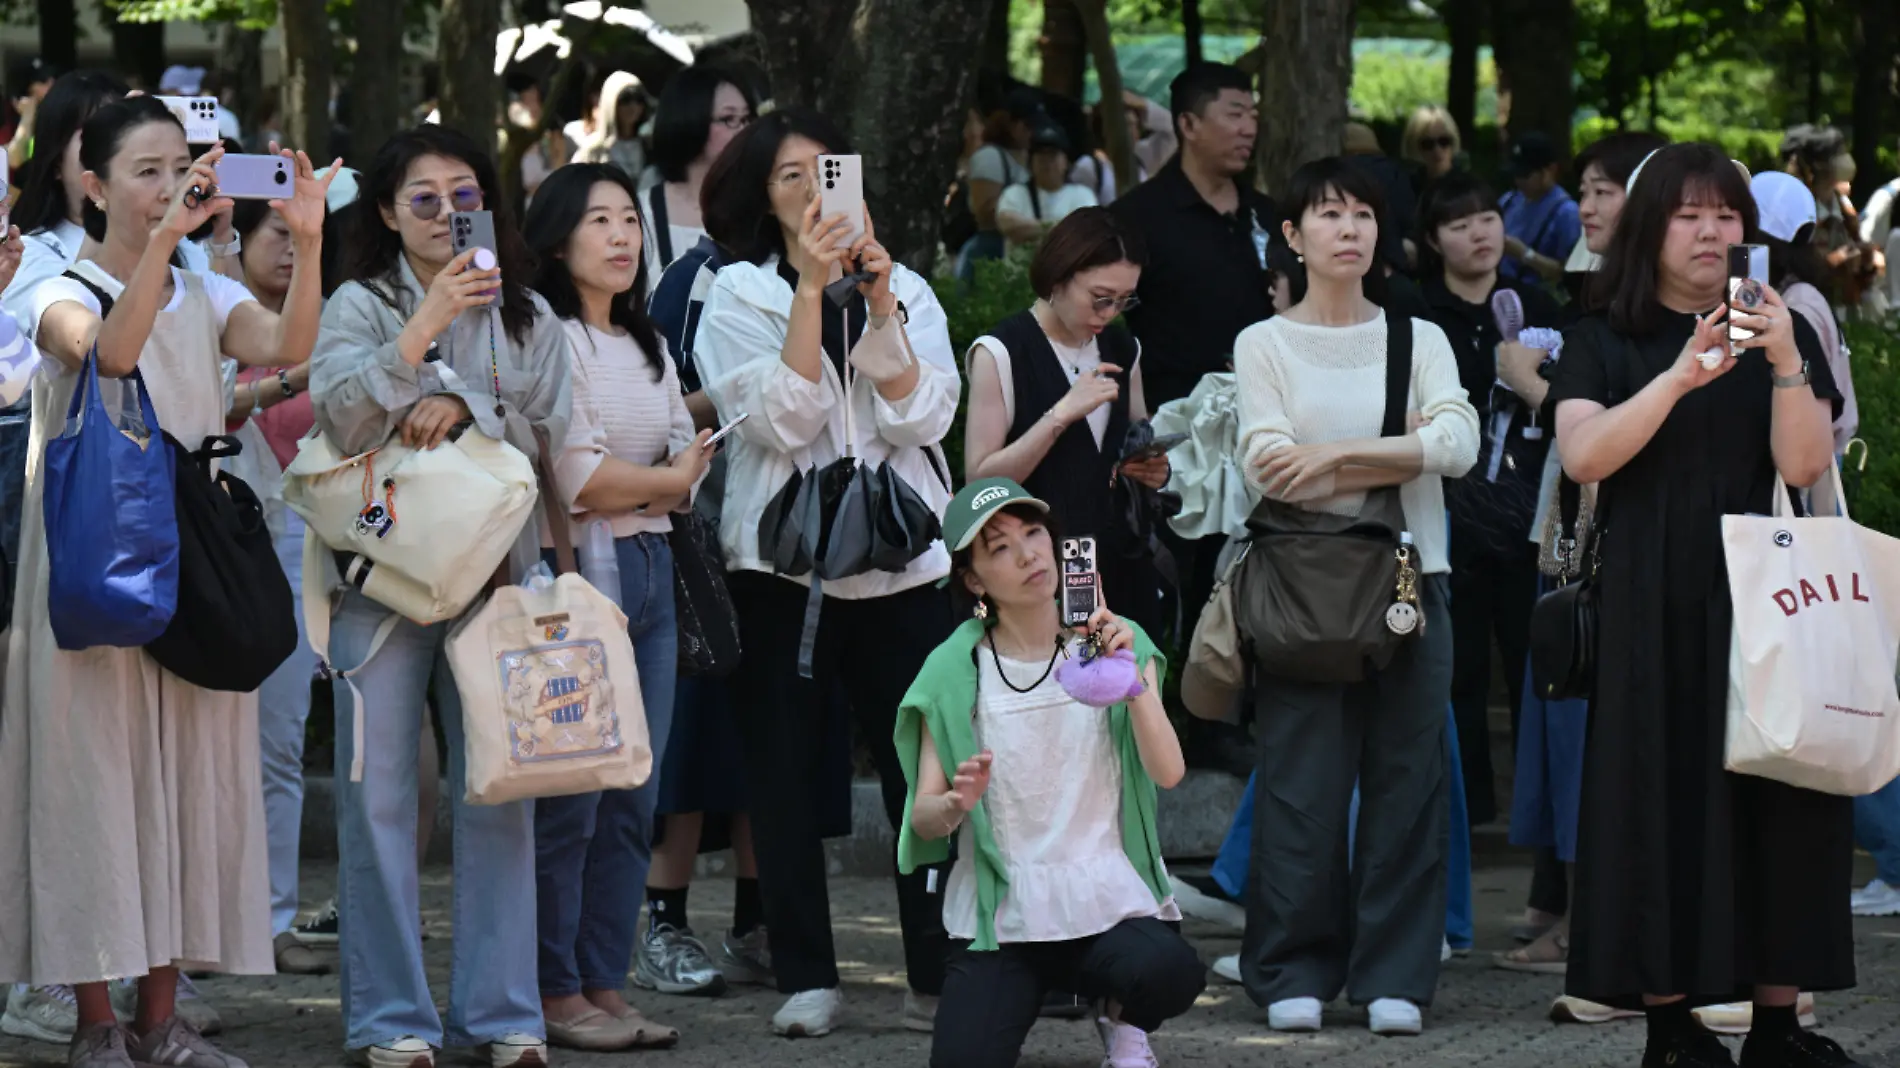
{"x":105,"y":302}
{"x":564,"y":562}
{"x":1398,"y":374}
{"x":661,"y":231}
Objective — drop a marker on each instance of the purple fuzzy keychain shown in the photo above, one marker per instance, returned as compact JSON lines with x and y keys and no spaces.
{"x":1100,"y":680}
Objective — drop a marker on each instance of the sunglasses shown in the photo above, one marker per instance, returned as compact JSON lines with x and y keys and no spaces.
{"x":1427,"y":144}
{"x":426,"y":206}
{"x":1115,"y":304}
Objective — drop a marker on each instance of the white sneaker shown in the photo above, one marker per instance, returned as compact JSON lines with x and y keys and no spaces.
{"x":1228,"y":967}
{"x":1444,"y":951}
{"x":1123,"y":1045}
{"x":41,"y":1013}
{"x":1394,"y":1016}
{"x":1294,"y":1014}
{"x":1202,"y":906}
{"x":405,"y":1052}
{"x":809,"y":1013}
{"x":518,"y":1049}
{"x":1877,"y":899}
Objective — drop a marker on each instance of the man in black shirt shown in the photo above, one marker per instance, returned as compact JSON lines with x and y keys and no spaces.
{"x":1207,"y":231}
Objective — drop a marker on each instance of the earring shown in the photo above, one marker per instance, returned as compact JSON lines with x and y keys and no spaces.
{"x":982,"y":609}
{"x":1297,"y":258}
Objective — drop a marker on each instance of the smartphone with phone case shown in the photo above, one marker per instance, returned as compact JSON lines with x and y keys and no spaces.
{"x":243,"y":177}
{"x":475,"y":229}
{"x":1747,"y":278}
{"x":1160,"y":446}
{"x":841,"y":192}
{"x":1078,"y":580}
{"x":727,"y":429}
{"x":198,"y":115}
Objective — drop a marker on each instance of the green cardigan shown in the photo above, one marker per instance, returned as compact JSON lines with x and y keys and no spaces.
{"x":943,"y":698}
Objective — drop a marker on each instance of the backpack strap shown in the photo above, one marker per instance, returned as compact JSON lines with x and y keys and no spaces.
{"x":1398,"y":374}
{"x":660,"y":231}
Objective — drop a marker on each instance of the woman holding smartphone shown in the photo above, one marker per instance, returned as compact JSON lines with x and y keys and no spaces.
{"x":414,"y":346}
{"x":635,"y":459}
{"x":152,"y":782}
{"x":1053,"y":390}
{"x":1693,"y":884}
{"x":772,"y":344}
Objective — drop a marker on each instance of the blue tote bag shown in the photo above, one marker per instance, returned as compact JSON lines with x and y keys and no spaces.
{"x":111,"y":526}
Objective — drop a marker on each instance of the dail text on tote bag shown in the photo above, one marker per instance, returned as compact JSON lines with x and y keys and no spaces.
{"x":111,"y":528}
{"x":551,"y":701}
{"x":1812,"y":700}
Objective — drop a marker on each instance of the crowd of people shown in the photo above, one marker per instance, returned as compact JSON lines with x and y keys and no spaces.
{"x":1332,"y":354}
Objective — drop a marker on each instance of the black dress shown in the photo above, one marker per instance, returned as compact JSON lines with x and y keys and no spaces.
{"x":1076,"y":477}
{"x":1690,"y":879}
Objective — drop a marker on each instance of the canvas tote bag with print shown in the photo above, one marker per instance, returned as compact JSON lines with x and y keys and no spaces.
{"x":551,"y":701}
{"x":1812,"y":700}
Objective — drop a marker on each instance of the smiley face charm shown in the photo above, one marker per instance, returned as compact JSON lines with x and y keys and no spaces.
{"x":1401,"y":618}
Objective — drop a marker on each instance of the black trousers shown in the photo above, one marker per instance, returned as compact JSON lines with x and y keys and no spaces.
{"x":991,"y":999}
{"x":1491,"y":596}
{"x":874,"y":648}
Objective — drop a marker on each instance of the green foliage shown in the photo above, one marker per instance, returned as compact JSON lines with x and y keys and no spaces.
{"x":250,"y":14}
{"x":1001,"y":290}
{"x":1388,"y":85}
{"x":1873,"y":493}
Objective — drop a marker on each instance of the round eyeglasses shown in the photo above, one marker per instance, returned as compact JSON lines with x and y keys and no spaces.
{"x":426,"y":206}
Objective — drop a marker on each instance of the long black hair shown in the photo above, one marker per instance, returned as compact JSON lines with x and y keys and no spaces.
{"x":374,"y":249}
{"x":1690,"y":173}
{"x":683,"y":117}
{"x":68,"y":104}
{"x":736,"y":201}
{"x":99,"y":141}
{"x":1336,"y":176}
{"x":1455,"y":196}
{"x":560,"y":206}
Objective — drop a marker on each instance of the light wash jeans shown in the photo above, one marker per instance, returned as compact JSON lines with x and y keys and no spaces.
{"x":592,"y":850}
{"x":386,"y":995}
{"x":1877,"y":829}
{"x":283,"y":703}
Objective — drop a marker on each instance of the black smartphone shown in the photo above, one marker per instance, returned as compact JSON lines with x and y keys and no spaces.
{"x":1160,"y":446}
{"x":1747,"y":278}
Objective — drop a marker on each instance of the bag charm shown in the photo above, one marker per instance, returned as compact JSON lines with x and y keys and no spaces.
{"x":1098,"y":679}
{"x":377,"y":516}
{"x":1403,"y":616}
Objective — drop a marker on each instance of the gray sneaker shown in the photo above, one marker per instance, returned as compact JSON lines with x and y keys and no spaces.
{"x":100,"y":1046}
{"x":177,"y":1043}
{"x":672,"y":960}
{"x":41,"y":1013}
{"x":747,"y":959}
{"x":188,"y":1004}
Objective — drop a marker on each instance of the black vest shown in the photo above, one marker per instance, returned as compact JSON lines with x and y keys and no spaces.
{"x":1075,"y":477}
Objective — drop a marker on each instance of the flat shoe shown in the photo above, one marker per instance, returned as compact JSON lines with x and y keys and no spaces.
{"x":593,"y":1030}
{"x":648,"y":1034}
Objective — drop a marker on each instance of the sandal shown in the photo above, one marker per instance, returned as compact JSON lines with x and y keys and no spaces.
{"x":646,"y":1033}
{"x":1549,"y":955}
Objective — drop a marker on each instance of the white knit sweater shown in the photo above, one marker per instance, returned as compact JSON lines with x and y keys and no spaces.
{"x":1307,"y":385}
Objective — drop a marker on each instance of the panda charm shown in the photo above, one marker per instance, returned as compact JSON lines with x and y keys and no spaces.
{"x":1401,"y":618}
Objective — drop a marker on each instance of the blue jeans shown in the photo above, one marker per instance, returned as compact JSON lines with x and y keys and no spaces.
{"x":1230,"y":866}
{"x":1877,"y":829}
{"x":283,"y":704}
{"x":592,"y":850}
{"x":491,"y":973}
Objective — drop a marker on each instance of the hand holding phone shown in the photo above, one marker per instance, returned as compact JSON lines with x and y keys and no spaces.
{"x":1747,"y":281}
{"x":841,"y":192}
{"x":476,"y":230}
{"x":713,"y":441}
{"x":1159,"y":447}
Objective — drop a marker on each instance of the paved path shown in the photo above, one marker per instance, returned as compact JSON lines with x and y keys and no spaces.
{"x":1483,"y":1016}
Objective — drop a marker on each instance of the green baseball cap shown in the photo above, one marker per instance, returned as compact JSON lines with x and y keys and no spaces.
{"x":975,"y":503}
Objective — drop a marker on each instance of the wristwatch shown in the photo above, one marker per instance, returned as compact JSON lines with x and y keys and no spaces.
{"x":283,"y":380}
{"x":230,"y":248}
{"x":1794,"y":381}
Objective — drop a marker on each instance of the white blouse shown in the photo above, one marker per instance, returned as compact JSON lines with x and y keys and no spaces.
{"x":1055,"y":806}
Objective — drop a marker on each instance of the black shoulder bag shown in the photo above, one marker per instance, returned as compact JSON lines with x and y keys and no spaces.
{"x":1324,"y":598}
{"x":1563,"y":630}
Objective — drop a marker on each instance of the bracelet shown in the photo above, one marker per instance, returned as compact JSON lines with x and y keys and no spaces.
{"x":283,"y":380}
{"x":231,"y":248}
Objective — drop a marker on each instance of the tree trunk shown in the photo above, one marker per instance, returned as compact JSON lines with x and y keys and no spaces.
{"x":1192,"y":30}
{"x":995,"y":55}
{"x":59,"y":33}
{"x":138,"y":50}
{"x":376,"y":101}
{"x":1537,"y":65}
{"x":1305,"y":78}
{"x":1876,"y":85}
{"x":306,"y":88}
{"x":471,"y":96}
{"x":245,"y":51}
{"x":1461,"y":75}
{"x":1064,"y":48}
{"x":532,"y":11}
{"x":895,"y":76}
{"x":1811,"y":40}
{"x":1108,"y":75}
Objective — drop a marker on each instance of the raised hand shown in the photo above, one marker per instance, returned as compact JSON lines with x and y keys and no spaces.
{"x":971,"y":780}
{"x":195,"y":201}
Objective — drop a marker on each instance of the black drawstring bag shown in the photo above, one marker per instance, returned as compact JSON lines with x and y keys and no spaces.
{"x":236,"y":620}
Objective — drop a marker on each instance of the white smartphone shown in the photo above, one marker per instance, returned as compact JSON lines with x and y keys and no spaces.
{"x":199,"y":116}
{"x":841,"y":192}
{"x":1078,"y":581}
{"x":243,"y":177}
{"x":727,"y":429}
